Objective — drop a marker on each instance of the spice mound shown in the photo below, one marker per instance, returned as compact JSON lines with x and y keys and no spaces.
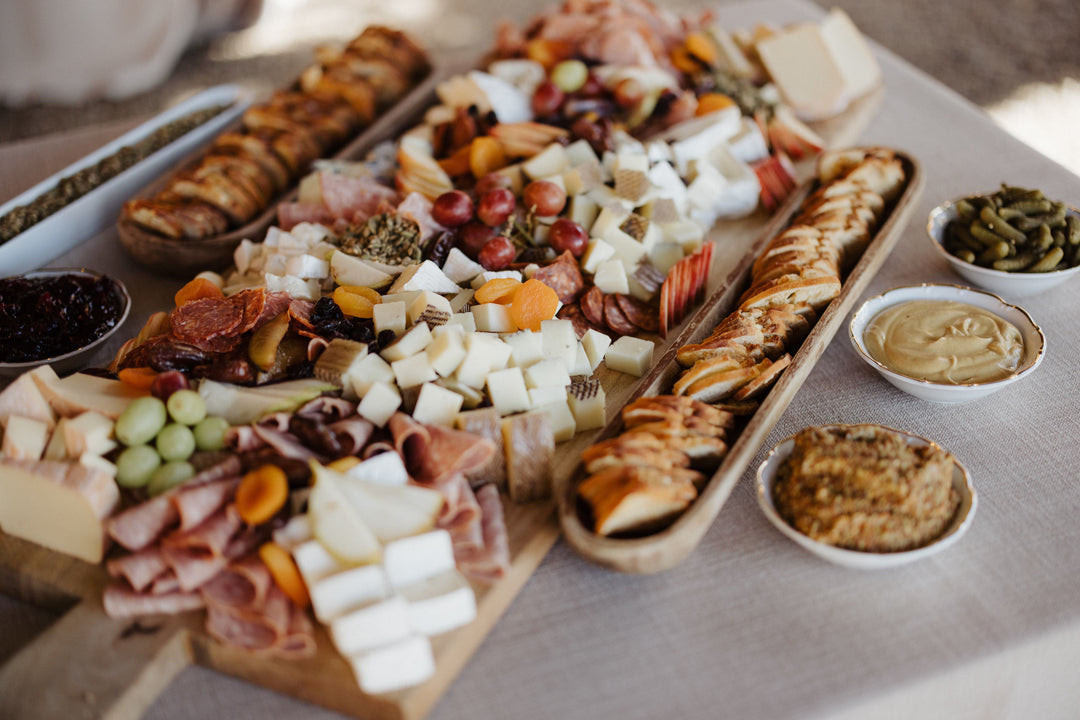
{"x":45,"y":317}
{"x":863,"y":487}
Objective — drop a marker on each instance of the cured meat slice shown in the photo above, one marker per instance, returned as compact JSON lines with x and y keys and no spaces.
{"x":616,"y":319}
{"x":327,"y":409}
{"x":291,"y":214}
{"x":409,"y":435}
{"x":345,"y":195}
{"x":270,"y":625}
{"x":300,"y":311}
{"x":352,"y":433}
{"x":139,"y":569}
{"x":200,"y":320}
{"x":139,"y":526}
{"x":121,"y":601}
{"x":574,"y":315}
{"x":167,"y":583}
{"x":377,"y":448}
{"x":486,"y":422}
{"x":592,"y":306}
{"x":563,"y":276}
{"x":433,"y":454}
{"x":244,"y":583}
{"x":418,"y":208}
{"x":193,"y":567}
{"x":460,"y":515}
{"x":211,"y":537}
{"x":196,"y":504}
{"x":492,"y":561}
{"x":284,"y":444}
{"x":639,"y":313}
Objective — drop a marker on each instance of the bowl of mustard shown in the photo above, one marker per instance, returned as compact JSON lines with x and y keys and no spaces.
{"x":946,"y":343}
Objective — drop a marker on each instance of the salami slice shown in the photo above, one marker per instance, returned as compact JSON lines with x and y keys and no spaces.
{"x":252,"y":301}
{"x":563,"y":276}
{"x":640,"y":314}
{"x":592,"y":306}
{"x":200,"y":320}
{"x":616,"y":319}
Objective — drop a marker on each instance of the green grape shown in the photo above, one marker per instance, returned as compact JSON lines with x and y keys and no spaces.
{"x":175,"y":442}
{"x":169,"y":475}
{"x":210,"y":433}
{"x":135,"y":465}
{"x":570,"y":75}
{"x":186,"y":407}
{"x":140,"y":421}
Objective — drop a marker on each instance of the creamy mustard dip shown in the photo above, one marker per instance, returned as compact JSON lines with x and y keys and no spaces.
{"x":945,"y":342}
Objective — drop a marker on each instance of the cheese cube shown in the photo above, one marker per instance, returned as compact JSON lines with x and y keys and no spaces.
{"x":460,"y":268}
{"x":337,"y":594}
{"x":540,"y":396}
{"x":397,"y":666}
{"x":583,"y":178}
{"x":630,"y":160}
{"x":664,"y":255}
{"x":437,"y":405}
{"x":595,"y":344}
{"x":88,"y":432}
{"x":315,"y":562}
{"x":365,"y":371}
{"x":686,"y":233}
{"x":389,"y":316}
{"x":597,"y":252}
{"x":694,"y":138}
{"x":414,"y":341}
{"x":609,"y":217}
{"x":552,"y":160}
{"x":386,"y":468}
{"x":526,"y":347}
{"x":658,"y":151}
{"x":748,"y":144}
{"x":461,"y":300}
{"x":474,"y":368}
{"x":406,"y":297}
{"x":610,"y":277}
{"x":56,"y":449}
{"x":447,"y":350}
{"x":562,"y":420}
{"x":558,"y":336}
{"x":493,"y":317}
{"x":497,"y":352}
{"x":307,"y":267}
{"x":349,"y":270}
{"x":440,"y":603}
{"x":418,"y":557}
{"x":371,"y":626}
{"x":297,"y":287}
{"x":479,"y":280}
{"x":630,"y":355}
{"x":580,"y":151}
{"x":587,"y":402}
{"x":413,"y":370}
{"x":431,"y":308}
{"x":23,"y":397}
{"x":25,"y":438}
{"x":627,"y":250}
{"x":580,"y":364}
{"x":380,"y":402}
{"x":425,"y":276}
{"x":583,"y":210}
{"x":464,"y":320}
{"x":547,"y":373}
{"x":507,"y":390}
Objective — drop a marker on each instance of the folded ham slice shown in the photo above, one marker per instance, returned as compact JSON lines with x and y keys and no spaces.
{"x":433,"y":454}
{"x":121,"y":601}
{"x":140,"y":569}
{"x":490,"y":561}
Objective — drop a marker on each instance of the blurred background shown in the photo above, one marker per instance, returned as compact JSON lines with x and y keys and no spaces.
{"x":1020,"y":61}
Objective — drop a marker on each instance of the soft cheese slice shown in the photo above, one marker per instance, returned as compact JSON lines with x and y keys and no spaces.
{"x":440,"y":603}
{"x":342,"y":592}
{"x":24,"y":438}
{"x":857,"y":64}
{"x":23,"y":398}
{"x":78,"y":393}
{"x":314,"y":561}
{"x":412,"y":559}
{"x":394,"y":667}
{"x":370,"y":626}
{"x":803,"y":67}
{"x":62,"y":506}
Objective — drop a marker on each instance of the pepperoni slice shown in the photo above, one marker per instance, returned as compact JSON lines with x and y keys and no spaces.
{"x":592,"y":306}
{"x":616,"y":319}
{"x":563,"y":276}
{"x":573,"y":314}
{"x":639,"y":313}
{"x":201,"y":320}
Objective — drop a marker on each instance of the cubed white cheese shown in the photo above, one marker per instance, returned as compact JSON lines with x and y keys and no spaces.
{"x":630,"y":355}
{"x":630,"y":159}
{"x":294,"y":286}
{"x":552,"y":160}
{"x":56,"y":449}
{"x":507,"y":390}
{"x":748,"y":144}
{"x":558,"y":336}
{"x":526,"y":347}
{"x":97,"y":462}
{"x":371,"y":626}
{"x":550,"y":372}
{"x":418,"y":557}
{"x":440,"y":603}
{"x":583,"y":210}
{"x":315,"y":562}
{"x":562,"y":420}
{"x":483,"y":277}
{"x":686,"y":233}
{"x":389,"y":316}
{"x":380,"y":402}
{"x":588,"y":402}
{"x":595,"y":344}
{"x":610,"y":277}
{"x":88,"y":432}
{"x":509,"y":104}
{"x":25,"y":438}
{"x":447,"y":350}
{"x":596,"y":253}
{"x":463,"y":298}
{"x":425,"y":276}
{"x":337,"y":594}
{"x":414,"y":341}
{"x":459,"y":268}
{"x":413,"y":370}
{"x":367,"y":370}
{"x":464,"y":320}
{"x":437,"y":405}
{"x":386,"y":468}
{"x":540,"y":396}
{"x":580,"y":364}
{"x":580,"y":151}
{"x":395,"y":666}
{"x":307,"y":267}
{"x":668,"y":184}
{"x":628,"y":250}
{"x":493,"y":317}
{"x":694,"y":138}
{"x":609,"y":217}
{"x":431,"y":308}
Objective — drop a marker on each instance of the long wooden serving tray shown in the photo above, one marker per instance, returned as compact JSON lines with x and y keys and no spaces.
{"x":89,"y":665}
{"x":668,"y":547}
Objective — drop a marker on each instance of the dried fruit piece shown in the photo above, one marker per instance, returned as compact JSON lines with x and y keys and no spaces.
{"x":197,"y":289}
{"x":261,"y":494}
{"x":353,"y":304}
{"x":485,"y":156}
{"x":497,"y":290}
{"x":141,"y":378}
{"x":533,"y":303}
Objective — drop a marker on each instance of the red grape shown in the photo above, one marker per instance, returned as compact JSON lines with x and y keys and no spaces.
{"x":168,"y":382}
{"x":565,"y":234}
{"x":452,"y":208}
{"x":544,"y":198}
{"x":497,"y":254}
{"x":493,"y":181}
{"x":473,"y":236}
{"x":593,"y":86}
{"x":547,"y":98}
{"x":495,"y":206}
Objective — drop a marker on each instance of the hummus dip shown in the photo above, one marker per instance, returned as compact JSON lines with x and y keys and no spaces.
{"x":944,"y":342}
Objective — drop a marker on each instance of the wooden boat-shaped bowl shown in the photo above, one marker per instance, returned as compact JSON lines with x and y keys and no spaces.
{"x":186,"y":257}
{"x":670,"y":546}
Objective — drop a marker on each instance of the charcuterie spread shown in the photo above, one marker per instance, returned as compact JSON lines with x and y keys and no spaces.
{"x":336,"y":446}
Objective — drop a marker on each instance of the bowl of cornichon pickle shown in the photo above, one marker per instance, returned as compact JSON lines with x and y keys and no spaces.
{"x":1014,"y":241}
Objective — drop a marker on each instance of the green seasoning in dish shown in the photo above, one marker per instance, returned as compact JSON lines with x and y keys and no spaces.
{"x":945,"y":342}
{"x":74,"y":186}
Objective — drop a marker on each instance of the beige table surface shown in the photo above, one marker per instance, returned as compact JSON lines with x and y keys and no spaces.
{"x":751,"y":626}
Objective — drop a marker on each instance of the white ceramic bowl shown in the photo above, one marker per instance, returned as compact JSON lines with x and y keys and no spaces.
{"x":81,"y":219}
{"x":1034,"y":341}
{"x":77,"y":358}
{"x":965,"y":513}
{"x":1011,"y":284}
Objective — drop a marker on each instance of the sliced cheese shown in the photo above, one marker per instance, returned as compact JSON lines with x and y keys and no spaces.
{"x":23,"y":398}
{"x":804,"y":69}
{"x":348,"y":590}
{"x":368,"y":627}
{"x":314,"y":561}
{"x":24,"y":438}
{"x":459,"y":268}
{"x":493,"y":317}
{"x":412,"y":559}
{"x":79,"y":393}
{"x":425,"y":276}
{"x":396,"y":666}
{"x":440,"y":603}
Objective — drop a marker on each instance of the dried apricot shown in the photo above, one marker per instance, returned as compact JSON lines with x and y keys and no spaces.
{"x":498,"y":290}
{"x":712,"y":102}
{"x":196,"y":290}
{"x":486,"y":155}
{"x":533,"y":303}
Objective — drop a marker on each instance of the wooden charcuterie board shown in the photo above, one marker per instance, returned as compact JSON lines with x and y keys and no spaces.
{"x":89,"y":665}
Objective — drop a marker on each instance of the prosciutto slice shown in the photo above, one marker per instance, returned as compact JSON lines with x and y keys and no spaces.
{"x":121,"y":601}
{"x":140,"y":569}
{"x":460,"y":515}
{"x":433,"y":454}
{"x":491,"y":561}
{"x":141,"y":525}
{"x":194,"y":505}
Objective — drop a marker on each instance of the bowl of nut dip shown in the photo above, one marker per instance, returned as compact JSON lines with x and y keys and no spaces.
{"x":866,"y":496}
{"x":945,"y":343}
